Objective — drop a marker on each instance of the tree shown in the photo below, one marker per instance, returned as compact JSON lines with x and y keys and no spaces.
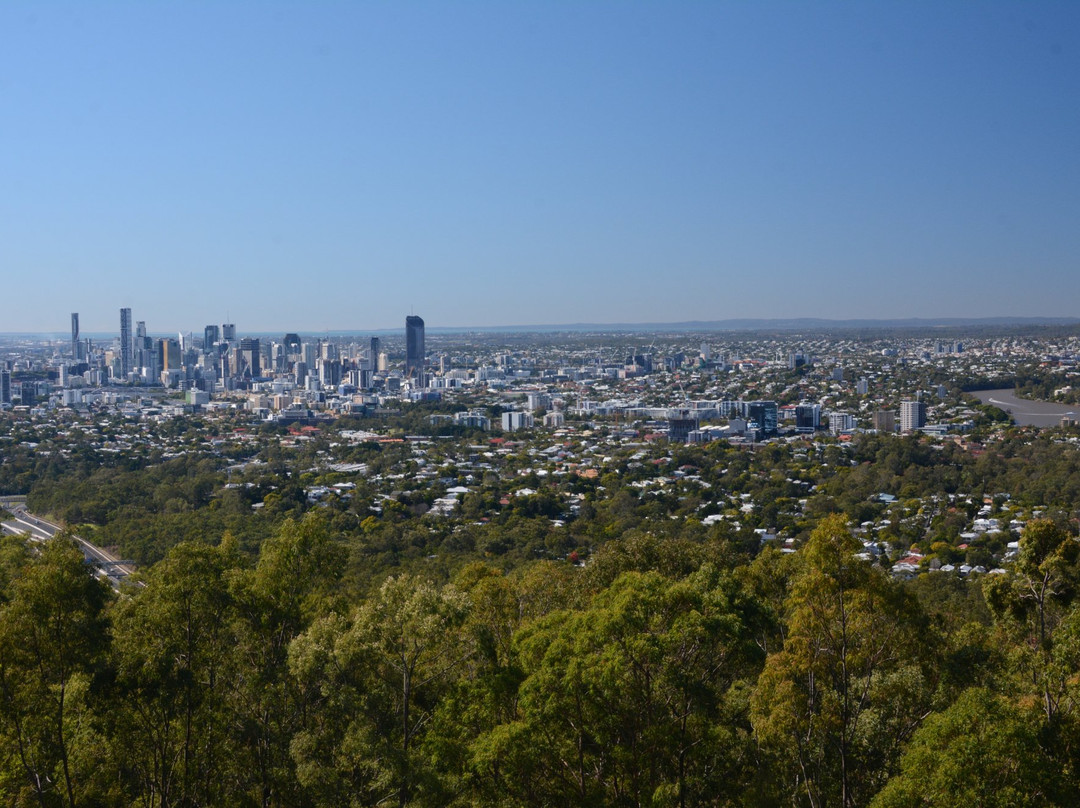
{"x":982,"y":752}
{"x":484,"y":693}
{"x":275,"y":603}
{"x":626,"y":702}
{"x":173,"y":656}
{"x":848,"y":688}
{"x":1030,"y":604}
{"x":376,"y":680}
{"x":52,"y":639}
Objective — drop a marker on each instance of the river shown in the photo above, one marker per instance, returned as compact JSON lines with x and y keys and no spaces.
{"x":1026,"y":412}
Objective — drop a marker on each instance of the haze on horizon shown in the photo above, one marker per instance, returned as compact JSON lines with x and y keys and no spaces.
{"x":336,"y":166}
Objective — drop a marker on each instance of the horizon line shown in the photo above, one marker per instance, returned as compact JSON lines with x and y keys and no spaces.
{"x":726,"y":324}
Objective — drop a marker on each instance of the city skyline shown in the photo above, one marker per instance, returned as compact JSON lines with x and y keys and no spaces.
{"x":327,"y":167}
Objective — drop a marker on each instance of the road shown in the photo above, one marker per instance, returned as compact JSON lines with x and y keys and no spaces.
{"x":109,"y":566}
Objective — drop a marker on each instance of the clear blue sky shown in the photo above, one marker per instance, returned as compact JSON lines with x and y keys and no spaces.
{"x":318,"y":165}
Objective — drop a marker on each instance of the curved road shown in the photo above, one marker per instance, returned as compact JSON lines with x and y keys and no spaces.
{"x":109,"y":566}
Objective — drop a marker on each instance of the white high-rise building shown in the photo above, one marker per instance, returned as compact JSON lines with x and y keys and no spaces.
{"x":513,"y":421}
{"x":840,"y":422}
{"x":912,"y":415}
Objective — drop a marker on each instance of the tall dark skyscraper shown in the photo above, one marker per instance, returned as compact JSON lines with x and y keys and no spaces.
{"x":764,"y":414}
{"x":250,"y":351}
{"x":228,"y":332}
{"x":125,"y":343}
{"x":414,"y":347}
{"x":373,"y":353}
{"x":211,"y":335}
{"x":75,"y":347}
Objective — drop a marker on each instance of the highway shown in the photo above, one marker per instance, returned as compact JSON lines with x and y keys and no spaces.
{"x":108,"y":566}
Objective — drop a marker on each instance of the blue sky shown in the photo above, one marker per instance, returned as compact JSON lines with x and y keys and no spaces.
{"x":319,"y":165}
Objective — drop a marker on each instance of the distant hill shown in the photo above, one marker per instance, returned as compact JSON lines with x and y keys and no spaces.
{"x":794,"y":324}
{"x":780,"y":324}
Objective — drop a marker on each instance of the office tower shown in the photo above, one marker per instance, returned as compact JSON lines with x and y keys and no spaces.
{"x":211,"y":335}
{"x":912,"y":415}
{"x":414,"y":347}
{"x":373,"y":353}
{"x":862,"y":387}
{"x":125,"y":343}
{"x":75,"y":346}
{"x":329,"y":372}
{"x":168,"y":354}
{"x":764,"y":414}
{"x":807,"y":417}
{"x":292,"y":344}
{"x":228,"y":332}
{"x":250,"y":353}
{"x":5,"y":386}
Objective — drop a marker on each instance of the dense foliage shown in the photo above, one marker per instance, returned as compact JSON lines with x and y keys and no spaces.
{"x":813,"y":679}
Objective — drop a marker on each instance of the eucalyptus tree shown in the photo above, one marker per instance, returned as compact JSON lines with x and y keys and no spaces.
{"x":53,"y":637}
{"x":375,"y":679}
{"x":630,"y":701}
{"x":850,"y":684}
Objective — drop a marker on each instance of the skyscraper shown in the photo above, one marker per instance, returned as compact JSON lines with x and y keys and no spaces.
{"x":373,"y":353}
{"x":211,"y":335}
{"x":414,"y":347}
{"x":228,"y":332}
{"x":75,"y":347}
{"x":168,"y":354}
{"x":250,"y":351}
{"x":5,"y":386}
{"x":125,"y":343}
